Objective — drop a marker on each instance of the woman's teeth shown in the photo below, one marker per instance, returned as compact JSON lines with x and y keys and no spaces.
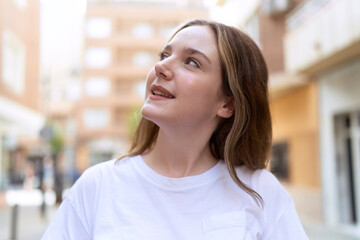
{"x":159,"y":93}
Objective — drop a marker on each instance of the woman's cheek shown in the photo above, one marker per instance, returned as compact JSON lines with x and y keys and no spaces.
{"x":187,"y":82}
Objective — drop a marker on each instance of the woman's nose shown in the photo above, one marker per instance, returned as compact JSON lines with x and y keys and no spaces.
{"x":163,"y":69}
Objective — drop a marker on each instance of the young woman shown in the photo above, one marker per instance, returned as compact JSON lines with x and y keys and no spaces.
{"x":196,"y":166}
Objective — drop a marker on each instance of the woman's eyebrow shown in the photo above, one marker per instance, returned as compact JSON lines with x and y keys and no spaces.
{"x":190,"y":51}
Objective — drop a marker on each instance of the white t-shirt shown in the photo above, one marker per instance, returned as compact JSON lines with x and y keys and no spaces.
{"x":128,"y":200}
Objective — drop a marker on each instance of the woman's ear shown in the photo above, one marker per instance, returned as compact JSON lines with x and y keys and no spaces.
{"x":227,"y":109}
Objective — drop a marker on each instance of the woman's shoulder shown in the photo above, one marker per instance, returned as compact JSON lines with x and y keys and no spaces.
{"x":262,"y":179}
{"x":266,"y":185}
{"x":257,"y":178}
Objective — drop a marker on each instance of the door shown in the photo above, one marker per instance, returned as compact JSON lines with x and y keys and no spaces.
{"x":347,"y":146}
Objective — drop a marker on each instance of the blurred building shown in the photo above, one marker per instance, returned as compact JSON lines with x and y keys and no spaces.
{"x":322,"y":42}
{"x":122,"y":42}
{"x":313,"y":53}
{"x":20,"y":114}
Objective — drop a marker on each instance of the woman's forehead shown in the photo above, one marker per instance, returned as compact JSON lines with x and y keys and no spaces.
{"x":198,"y":37}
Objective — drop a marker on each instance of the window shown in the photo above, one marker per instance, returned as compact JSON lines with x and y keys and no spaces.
{"x":21,"y":4}
{"x":96,"y":117}
{"x":97,"y":57}
{"x":142,"y":30}
{"x":13,"y":62}
{"x":97,"y":87}
{"x":279,"y":161}
{"x":98,"y":28}
{"x":143,"y":59}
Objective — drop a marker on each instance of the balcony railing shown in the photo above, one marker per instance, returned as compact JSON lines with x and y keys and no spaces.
{"x":304,"y":11}
{"x":321,"y":34}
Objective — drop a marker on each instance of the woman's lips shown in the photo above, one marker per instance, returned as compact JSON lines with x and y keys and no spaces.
{"x":160,"y":91}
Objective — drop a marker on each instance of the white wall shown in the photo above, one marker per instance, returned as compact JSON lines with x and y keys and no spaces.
{"x":339,"y":91}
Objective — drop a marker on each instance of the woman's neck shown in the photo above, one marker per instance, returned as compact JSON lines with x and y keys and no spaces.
{"x":180,"y":155}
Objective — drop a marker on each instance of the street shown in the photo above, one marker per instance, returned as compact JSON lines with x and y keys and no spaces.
{"x":30,"y":225}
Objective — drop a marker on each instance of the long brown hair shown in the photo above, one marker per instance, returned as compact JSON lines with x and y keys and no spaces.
{"x":246,"y":137}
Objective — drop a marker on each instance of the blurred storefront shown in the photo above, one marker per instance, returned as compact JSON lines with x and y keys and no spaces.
{"x":20,"y":116}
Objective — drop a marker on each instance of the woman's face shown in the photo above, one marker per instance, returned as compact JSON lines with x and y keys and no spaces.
{"x":184,"y":87}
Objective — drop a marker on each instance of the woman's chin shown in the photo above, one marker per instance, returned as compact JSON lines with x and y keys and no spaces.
{"x":157,"y":117}
{"x":148,"y":113}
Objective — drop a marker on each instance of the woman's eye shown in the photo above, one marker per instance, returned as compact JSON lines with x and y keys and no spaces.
{"x":193,"y":62}
{"x":163,"y":56}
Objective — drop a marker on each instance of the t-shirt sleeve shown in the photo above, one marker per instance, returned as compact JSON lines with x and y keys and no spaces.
{"x":281,"y":221}
{"x":288,"y":226}
{"x":66,"y":224}
{"x":74,"y":218}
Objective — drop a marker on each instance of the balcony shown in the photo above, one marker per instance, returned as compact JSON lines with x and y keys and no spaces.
{"x":321,"y":34}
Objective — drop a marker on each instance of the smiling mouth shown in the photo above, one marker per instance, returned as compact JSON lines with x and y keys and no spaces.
{"x":160,"y":91}
{"x":161,"y":94}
